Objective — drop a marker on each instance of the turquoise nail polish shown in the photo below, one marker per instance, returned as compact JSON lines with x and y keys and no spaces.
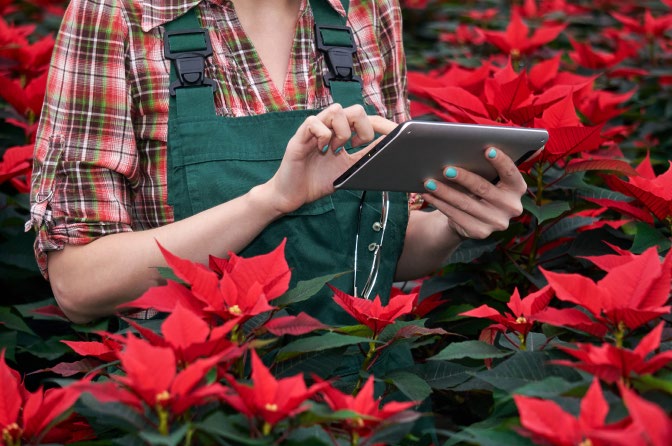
{"x":325,"y":148}
{"x":492,"y":153}
{"x":430,"y":185}
{"x":450,"y":172}
{"x":338,"y":150}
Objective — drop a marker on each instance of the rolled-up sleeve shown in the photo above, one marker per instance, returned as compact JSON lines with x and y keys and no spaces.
{"x":85,"y":147}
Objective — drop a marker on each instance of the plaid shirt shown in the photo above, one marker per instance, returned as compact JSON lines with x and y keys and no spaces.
{"x":100,"y":155}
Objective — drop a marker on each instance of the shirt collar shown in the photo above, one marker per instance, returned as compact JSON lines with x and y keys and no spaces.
{"x":156,"y":13}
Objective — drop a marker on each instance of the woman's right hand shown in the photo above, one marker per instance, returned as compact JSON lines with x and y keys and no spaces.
{"x":314,"y":157}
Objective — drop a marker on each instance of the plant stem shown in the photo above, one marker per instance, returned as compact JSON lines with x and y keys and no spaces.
{"x":365,"y":365}
{"x":620,"y":334}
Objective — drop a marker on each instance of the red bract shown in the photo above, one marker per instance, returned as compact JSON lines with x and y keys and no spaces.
{"x":243,"y":291}
{"x":26,"y":416}
{"x":267,"y":398}
{"x":516,"y":40}
{"x":546,"y":421}
{"x":652,"y":422}
{"x":366,"y":406}
{"x":373,"y":313}
{"x":653,"y":192}
{"x":26,"y":100}
{"x":153,"y":380}
{"x":630,"y":295}
{"x":586,"y":56}
{"x":191,"y":338}
{"x":651,"y":28}
{"x":16,"y":167}
{"x":523,"y":311}
{"x":612,"y":364}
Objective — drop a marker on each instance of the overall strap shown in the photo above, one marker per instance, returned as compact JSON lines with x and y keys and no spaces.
{"x":187,"y":45}
{"x":336,"y":42}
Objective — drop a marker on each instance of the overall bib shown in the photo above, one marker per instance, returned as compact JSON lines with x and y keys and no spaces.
{"x":213,"y":159}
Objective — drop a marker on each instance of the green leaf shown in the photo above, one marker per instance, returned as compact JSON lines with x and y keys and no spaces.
{"x":220,"y":425}
{"x":10,"y":320}
{"x":173,"y":439}
{"x":410,"y":384}
{"x":470,"y":250}
{"x":469,"y":349}
{"x":111,"y":414}
{"x":51,"y":349}
{"x":304,"y":290}
{"x":8,"y":344}
{"x":319,"y":343}
{"x":442,"y":374}
{"x":546,"y":211}
{"x":547,"y":388}
{"x":565,"y":227}
{"x":524,"y":368}
{"x":648,"y":236}
{"x":18,"y":251}
{"x":489,"y":437}
{"x":168,"y":274}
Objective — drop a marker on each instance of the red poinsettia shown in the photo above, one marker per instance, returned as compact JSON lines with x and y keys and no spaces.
{"x":27,"y":417}
{"x":373,"y":313}
{"x":523,"y":312}
{"x":612,"y":364}
{"x":628,"y":296}
{"x":154,"y":380}
{"x":242,"y":291}
{"x":370,"y":413}
{"x":652,"y":423}
{"x":516,"y":40}
{"x":653,"y":192}
{"x":547,"y":422}
{"x":267,"y":398}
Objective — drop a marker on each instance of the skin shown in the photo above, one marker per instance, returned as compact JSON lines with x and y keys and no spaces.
{"x":90,"y":280}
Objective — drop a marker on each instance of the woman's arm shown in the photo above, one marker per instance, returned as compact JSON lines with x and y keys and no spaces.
{"x":90,"y":280}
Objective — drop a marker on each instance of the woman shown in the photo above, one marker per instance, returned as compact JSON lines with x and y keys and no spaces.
{"x":239,"y":153}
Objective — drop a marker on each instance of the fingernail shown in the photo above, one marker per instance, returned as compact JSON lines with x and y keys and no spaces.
{"x":338,"y":150}
{"x":325,"y":148}
{"x":430,"y":185}
{"x":450,"y":172}
{"x":492,"y":153}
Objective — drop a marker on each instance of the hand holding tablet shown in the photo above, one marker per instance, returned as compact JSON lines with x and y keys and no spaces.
{"x":419,"y":150}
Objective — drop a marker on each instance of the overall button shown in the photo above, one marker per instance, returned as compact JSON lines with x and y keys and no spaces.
{"x":377,"y":226}
{"x":373,"y":246}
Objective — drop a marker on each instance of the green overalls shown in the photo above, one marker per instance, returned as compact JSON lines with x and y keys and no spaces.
{"x":213,"y":159}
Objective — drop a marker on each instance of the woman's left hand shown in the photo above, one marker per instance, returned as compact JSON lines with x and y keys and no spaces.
{"x":480,"y":208}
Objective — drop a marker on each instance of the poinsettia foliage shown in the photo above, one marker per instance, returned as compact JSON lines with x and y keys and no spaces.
{"x":555,"y":331}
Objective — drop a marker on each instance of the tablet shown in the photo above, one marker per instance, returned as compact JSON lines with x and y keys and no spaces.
{"x":418,"y":150}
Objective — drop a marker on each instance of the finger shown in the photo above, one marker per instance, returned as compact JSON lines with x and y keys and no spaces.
{"x":501,"y":198}
{"x":334,"y":117}
{"x":360,"y":124}
{"x":382,"y":125}
{"x":314,"y":131}
{"x":447,"y":199}
{"x":509,"y":175}
{"x":466,"y":223}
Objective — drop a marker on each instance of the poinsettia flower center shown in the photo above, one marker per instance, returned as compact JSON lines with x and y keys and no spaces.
{"x":162,"y":398}
{"x":11,"y":434}
{"x":586,"y":442}
{"x":235,"y":310}
{"x":271,"y":407}
{"x":521,"y":320}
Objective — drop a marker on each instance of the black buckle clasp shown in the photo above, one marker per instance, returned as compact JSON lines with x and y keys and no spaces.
{"x":337,"y":56}
{"x":189,"y":64}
